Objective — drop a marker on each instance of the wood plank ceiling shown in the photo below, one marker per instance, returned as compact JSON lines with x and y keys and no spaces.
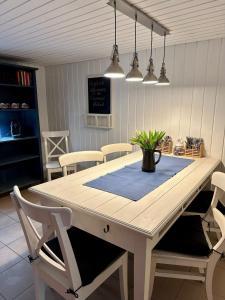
{"x":62,"y":31}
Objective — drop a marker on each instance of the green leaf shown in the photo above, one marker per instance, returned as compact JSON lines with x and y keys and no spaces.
{"x":147,"y":140}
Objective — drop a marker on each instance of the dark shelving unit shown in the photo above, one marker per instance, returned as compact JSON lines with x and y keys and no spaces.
{"x":16,"y":86}
{"x":20,"y":156}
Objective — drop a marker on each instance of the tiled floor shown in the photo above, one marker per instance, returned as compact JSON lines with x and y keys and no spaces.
{"x":16,"y":276}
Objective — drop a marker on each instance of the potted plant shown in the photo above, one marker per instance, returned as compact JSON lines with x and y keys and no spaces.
{"x":148,"y":141}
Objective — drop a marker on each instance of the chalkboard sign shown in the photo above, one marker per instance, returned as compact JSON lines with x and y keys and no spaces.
{"x":99,"y":95}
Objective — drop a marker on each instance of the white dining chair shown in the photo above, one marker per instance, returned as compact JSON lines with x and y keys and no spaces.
{"x":55,"y":144}
{"x":201,"y":205}
{"x":73,"y":158}
{"x":187,"y":244}
{"x":116,"y":148}
{"x":72,"y":262}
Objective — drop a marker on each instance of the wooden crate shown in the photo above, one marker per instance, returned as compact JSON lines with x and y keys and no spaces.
{"x":193,"y":152}
{"x":166,"y":147}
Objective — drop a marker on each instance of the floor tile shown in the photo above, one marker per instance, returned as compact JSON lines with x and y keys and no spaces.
{"x":10,"y":233}
{"x":52,"y":295}
{"x":109,"y":290}
{"x":8,"y":258}
{"x":5,"y":221}
{"x":196,"y":290}
{"x":221,"y":263}
{"x":218,"y":282}
{"x":28,"y":294}
{"x":13,"y":215}
{"x":219,"y":298}
{"x":20,"y":246}
{"x":166,"y":288}
{"x":1,"y":245}
{"x":192,"y":290}
{"x":15,"y":280}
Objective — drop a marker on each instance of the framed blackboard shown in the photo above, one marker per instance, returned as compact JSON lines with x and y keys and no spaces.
{"x":99,"y":93}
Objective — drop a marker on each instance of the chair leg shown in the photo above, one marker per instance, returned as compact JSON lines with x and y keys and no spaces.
{"x":123,"y":274}
{"x":209,"y":275}
{"x":40,"y":287}
{"x":208,"y":286}
{"x":49,"y":175}
{"x":152,"y":277}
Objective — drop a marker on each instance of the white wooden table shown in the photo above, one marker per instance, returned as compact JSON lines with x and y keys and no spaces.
{"x":134,"y":226}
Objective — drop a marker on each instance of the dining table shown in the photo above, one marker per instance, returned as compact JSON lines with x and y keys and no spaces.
{"x":136,"y":226}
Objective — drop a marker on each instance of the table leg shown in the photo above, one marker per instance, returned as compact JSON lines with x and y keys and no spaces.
{"x":142,"y":270}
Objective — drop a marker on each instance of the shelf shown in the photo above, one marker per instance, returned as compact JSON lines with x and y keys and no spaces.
{"x":21,"y":182}
{"x":20,"y":157}
{"x":16,"y":109}
{"x":16,"y":85}
{"x":101,"y":121}
{"x":11,"y":139}
{"x":17,"y":159}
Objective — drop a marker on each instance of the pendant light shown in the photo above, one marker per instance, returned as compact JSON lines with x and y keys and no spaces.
{"x":114,"y":70}
{"x":163,"y":80}
{"x":135,"y":74}
{"x":150,"y":77}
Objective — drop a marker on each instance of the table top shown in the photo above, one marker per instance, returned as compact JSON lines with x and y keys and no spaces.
{"x":148,"y":215}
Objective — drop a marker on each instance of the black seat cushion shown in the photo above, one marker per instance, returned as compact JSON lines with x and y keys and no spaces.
{"x":202,"y":203}
{"x":92,"y":254}
{"x":186,"y":236}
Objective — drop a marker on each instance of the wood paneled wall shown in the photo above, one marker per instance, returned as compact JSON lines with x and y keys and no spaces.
{"x":193,"y":105}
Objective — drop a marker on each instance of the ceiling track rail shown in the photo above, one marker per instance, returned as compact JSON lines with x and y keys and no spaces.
{"x":131,"y":11}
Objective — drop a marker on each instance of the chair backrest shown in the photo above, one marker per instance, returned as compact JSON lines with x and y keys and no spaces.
{"x":55,"y":143}
{"x":220,"y":220}
{"x":114,"y":148}
{"x":55,"y":220}
{"x":77,"y":157}
{"x":218,"y":180}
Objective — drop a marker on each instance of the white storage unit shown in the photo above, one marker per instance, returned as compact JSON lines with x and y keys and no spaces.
{"x":99,"y":121}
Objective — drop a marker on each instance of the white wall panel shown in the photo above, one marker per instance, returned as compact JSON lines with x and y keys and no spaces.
{"x":194,"y":104}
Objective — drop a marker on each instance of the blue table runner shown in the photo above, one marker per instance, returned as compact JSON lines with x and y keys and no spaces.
{"x":130,"y":182}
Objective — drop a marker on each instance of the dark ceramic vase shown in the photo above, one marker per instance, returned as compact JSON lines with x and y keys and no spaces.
{"x":149,"y":162}
{"x":15,"y":128}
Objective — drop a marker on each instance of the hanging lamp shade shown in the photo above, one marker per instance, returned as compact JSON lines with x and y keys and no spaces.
{"x":135,"y":74}
{"x":150,"y":77}
{"x":163,"y":80}
{"x":114,"y":70}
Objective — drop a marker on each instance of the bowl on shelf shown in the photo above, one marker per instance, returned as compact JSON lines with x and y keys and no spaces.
{"x":15,"y":105}
{"x":4,"y":105}
{"x":25,"y":105}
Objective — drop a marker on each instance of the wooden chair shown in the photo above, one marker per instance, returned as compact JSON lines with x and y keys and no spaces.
{"x":201,"y":205}
{"x":187,"y":244}
{"x":56,"y":144}
{"x":69,"y":260}
{"x":73,"y":158}
{"x":115,"y":148}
